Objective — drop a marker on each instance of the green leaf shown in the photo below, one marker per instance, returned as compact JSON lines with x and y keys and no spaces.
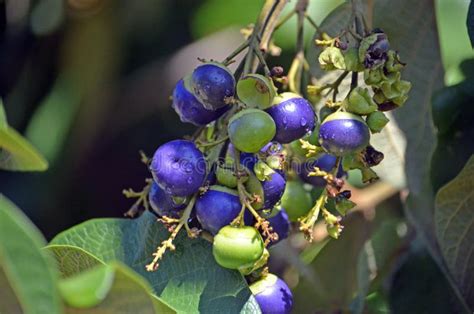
{"x":16,"y":153}
{"x":454,"y":215}
{"x":337,"y":276}
{"x":188,"y":279}
{"x":73,"y":261}
{"x":27,"y":280}
{"x":89,"y":288}
{"x":3,"y":117}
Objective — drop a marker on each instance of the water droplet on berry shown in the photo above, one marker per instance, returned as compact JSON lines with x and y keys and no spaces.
{"x":285,"y":121}
{"x":303,"y":122}
{"x":190,"y":180}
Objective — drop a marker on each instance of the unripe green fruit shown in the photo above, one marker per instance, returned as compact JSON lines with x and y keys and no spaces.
{"x":296,"y":200}
{"x":250,"y":129}
{"x":237,"y":247}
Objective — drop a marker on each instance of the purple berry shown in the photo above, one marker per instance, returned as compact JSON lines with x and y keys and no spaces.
{"x":280,"y":223}
{"x":190,"y":109}
{"x":179,"y":167}
{"x":212,"y":84}
{"x":294,"y":117}
{"x":343,"y":133}
{"x":325,"y":162}
{"x":163,"y":204}
{"x":272,"y":295}
{"x":217,"y":208}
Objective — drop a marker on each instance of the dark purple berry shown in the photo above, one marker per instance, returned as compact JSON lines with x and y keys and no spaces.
{"x":162,"y":203}
{"x":372,"y":157}
{"x":179,"y":167}
{"x":343,"y":133}
{"x":280,"y":223}
{"x":212,"y":84}
{"x":217,"y":208}
{"x":324,"y":162}
{"x":190,"y":109}
{"x":294,"y":117}
{"x":272,"y":295}
{"x":376,"y":53}
{"x":277,"y":71}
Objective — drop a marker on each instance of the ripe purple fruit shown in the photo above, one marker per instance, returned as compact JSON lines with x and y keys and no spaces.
{"x":190,"y":109}
{"x":280,"y":223}
{"x":179,"y":167}
{"x":163,"y":204}
{"x":324,"y":162}
{"x":293,"y":115}
{"x":269,"y":191}
{"x":272,"y":295}
{"x":217,"y":208}
{"x":343,"y":133}
{"x":212,"y":84}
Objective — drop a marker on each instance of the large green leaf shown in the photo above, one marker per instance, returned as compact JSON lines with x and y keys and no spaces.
{"x":455,"y":228}
{"x":3,"y":117}
{"x":27,"y":280}
{"x":16,"y":153}
{"x":188,"y":279}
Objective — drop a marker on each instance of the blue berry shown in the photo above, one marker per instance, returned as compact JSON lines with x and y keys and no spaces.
{"x":325,"y":162}
{"x":343,"y":133}
{"x":212,"y":84}
{"x":179,"y":167}
{"x":190,"y":109}
{"x":272,"y":295}
{"x":293,"y":115}
{"x":217,"y":208}
{"x":162,"y":203}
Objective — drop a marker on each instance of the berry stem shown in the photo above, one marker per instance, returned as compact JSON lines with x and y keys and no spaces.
{"x":142,"y":199}
{"x":307,"y":222}
{"x":236,"y":52}
{"x":168,"y":243}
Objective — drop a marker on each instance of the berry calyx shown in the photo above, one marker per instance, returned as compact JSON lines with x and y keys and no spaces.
{"x":272,"y":295}
{"x":190,"y":109}
{"x":236,"y":247}
{"x":179,"y":167}
{"x":250,"y":129}
{"x":343,"y":133}
{"x":212,"y":84}
{"x":293,"y":115}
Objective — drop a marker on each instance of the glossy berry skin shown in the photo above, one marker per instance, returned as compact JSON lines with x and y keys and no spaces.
{"x":162,"y":203}
{"x":296,"y":200}
{"x":270,"y":191}
{"x":272,"y":295}
{"x":343,"y":133}
{"x":237,"y":247}
{"x":217,"y":208}
{"x":179,"y":167}
{"x":212,"y":83}
{"x":325,"y":162}
{"x":294,"y":117}
{"x":190,"y":109}
{"x":280,"y":223}
{"x":251,"y":129}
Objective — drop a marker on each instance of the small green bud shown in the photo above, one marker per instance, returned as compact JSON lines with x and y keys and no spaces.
{"x":225,"y":175}
{"x":351,"y":60}
{"x":377,"y":121}
{"x":274,"y":161}
{"x":343,"y":205}
{"x":373,"y":76}
{"x":393,"y":63}
{"x":334,"y":231}
{"x":262,"y":171}
{"x":360,"y":102}
{"x":368,"y":175}
{"x":331,"y":58}
{"x":352,"y":161}
{"x":331,"y":219}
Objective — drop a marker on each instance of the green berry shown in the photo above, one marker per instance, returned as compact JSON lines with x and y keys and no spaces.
{"x":250,"y":129}
{"x":237,"y":247}
{"x":296,"y":200}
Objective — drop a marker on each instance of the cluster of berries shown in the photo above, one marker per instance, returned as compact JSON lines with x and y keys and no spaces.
{"x":262,"y":160}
